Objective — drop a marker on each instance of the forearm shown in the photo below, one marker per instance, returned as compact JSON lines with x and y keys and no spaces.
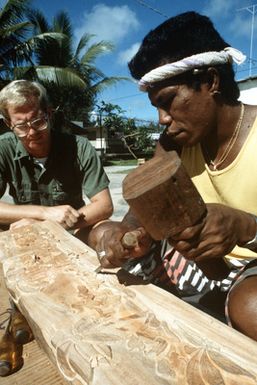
{"x":92,"y":234}
{"x":93,"y":213}
{"x":10,"y":213}
{"x":249,"y":236}
{"x":99,"y":209}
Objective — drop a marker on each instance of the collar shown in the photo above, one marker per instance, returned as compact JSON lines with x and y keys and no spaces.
{"x":20,"y":152}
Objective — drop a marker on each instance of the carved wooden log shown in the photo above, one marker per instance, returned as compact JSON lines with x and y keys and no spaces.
{"x":99,"y":330}
{"x":163,"y":197}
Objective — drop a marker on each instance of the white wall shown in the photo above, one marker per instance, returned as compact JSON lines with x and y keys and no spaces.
{"x":248,"y":91}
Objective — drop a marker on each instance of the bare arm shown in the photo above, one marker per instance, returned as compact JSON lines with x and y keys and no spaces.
{"x":18,"y":215}
{"x":10,"y":213}
{"x":99,"y":209}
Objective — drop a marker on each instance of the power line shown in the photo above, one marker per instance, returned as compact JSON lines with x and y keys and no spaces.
{"x":252,"y":10}
{"x":126,"y":97}
{"x":144,"y":4}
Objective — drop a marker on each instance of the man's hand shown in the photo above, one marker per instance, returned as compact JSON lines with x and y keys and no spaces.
{"x":65,"y":215}
{"x":22,"y":222}
{"x":219,"y":232}
{"x":106,"y":239}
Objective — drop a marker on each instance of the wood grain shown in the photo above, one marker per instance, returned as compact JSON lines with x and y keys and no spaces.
{"x":100,"y":330}
{"x":162,"y":196}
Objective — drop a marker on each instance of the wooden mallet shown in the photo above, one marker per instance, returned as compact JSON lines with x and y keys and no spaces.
{"x":163,"y":198}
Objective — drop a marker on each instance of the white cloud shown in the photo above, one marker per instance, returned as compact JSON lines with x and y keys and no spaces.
{"x":232,"y":12}
{"x":108,"y":23}
{"x":218,"y":8}
{"x":126,"y":55}
{"x":241,"y":26}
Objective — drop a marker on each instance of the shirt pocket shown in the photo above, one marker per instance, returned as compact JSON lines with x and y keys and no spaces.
{"x":24,"y":194}
{"x":66,"y":194}
{"x":60,"y":197}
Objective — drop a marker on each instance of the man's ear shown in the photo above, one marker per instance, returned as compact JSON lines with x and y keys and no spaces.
{"x":213,"y":80}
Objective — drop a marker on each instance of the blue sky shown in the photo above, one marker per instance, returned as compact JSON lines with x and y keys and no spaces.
{"x":125,"y":23}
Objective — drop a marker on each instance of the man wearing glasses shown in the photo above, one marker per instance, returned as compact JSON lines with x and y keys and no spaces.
{"x":48,"y":172}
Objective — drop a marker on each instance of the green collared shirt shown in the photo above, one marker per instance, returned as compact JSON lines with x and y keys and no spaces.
{"x":72,"y":170}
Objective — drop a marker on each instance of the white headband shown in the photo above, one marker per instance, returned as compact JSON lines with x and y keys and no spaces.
{"x":169,"y":70}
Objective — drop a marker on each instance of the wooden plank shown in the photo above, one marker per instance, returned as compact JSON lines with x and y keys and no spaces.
{"x":100,"y":330}
{"x":37,"y":368}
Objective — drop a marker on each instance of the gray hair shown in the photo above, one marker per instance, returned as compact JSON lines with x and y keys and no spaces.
{"x":21,"y":92}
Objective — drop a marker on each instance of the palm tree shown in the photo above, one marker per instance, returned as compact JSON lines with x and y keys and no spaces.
{"x":16,"y":40}
{"x":70,"y":75}
{"x":31,"y":48}
{"x":13,"y":30}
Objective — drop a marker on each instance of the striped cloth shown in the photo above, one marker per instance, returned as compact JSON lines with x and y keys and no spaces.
{"x":166,"y":267}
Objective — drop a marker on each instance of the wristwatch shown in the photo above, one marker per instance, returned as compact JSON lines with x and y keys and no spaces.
{"x":252,"y":245}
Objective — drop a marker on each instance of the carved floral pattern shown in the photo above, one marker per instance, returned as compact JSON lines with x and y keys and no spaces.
{"x":106,"y":324}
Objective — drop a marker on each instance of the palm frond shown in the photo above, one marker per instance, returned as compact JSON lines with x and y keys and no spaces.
{"x":13,"y":10}
{"x":61,"y":76}
{"x":56,"y":36}
{"x":83,"y":42}
{"x":38,"y":20}
{"x":107,"y":82}
{"x":33,"y":48}
{"x":95,"y":50}
{"x":61,"y":23}
{"x":24,"y":73}
{"x":14,"y":29}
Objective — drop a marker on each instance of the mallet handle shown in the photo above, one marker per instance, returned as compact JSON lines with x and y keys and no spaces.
{"x":130,"y":239}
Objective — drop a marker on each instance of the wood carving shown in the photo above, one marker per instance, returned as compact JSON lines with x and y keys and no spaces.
{"x":99,"y":330}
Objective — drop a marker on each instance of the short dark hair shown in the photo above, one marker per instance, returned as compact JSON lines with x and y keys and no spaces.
{"x":181,"y":36}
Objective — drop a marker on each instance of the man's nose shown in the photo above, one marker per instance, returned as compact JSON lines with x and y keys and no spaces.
{"x":31,"y":129}
{"x":30,"y":125}
{"x":164,"y":117}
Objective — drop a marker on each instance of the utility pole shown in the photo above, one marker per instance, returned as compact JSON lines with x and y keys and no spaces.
{"x":252,"y":10}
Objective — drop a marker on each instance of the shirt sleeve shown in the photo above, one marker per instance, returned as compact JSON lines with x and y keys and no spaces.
{"x":94,"y":178}
{"x":4,"y":156}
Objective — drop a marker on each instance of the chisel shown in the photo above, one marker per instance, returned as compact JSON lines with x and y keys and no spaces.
{"x":128,"y":241}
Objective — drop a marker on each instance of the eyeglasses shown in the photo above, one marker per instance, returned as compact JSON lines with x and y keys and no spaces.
{"x":22,"y":129}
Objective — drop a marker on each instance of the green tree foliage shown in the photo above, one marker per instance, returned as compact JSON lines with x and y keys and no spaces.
{"x":140,"y":136}
{"x":13,"y":31}
{"x":110,"y":117}
{"x":70,"y":74}
{"x":32,"y":48}
{"x":136,"y":135}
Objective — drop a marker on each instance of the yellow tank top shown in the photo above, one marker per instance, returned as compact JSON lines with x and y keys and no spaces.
{"x":234,"y":186}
